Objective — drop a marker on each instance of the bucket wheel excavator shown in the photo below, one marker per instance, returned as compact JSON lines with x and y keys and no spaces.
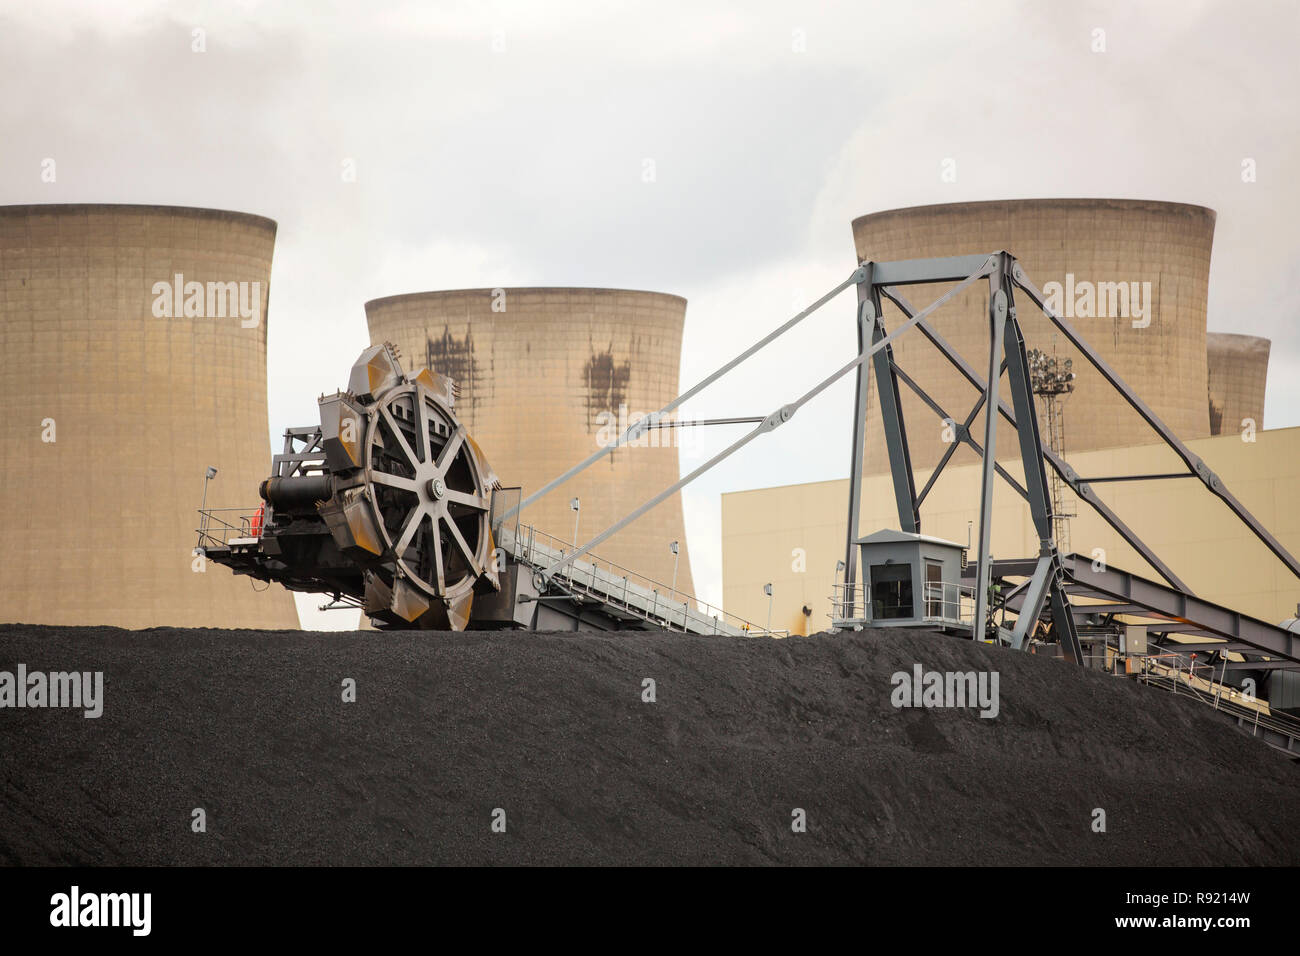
{"x":390,"y":506}
{"x":385,"y":505}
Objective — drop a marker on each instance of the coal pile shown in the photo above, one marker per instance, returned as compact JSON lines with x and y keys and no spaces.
{"x":552,"y":729}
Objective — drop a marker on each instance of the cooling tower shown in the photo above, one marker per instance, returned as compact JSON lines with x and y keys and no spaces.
{"x":543,"y":376}
{"x":118,"y":395}
{"x":1151,"y":329}
{"x":1238,"y":372}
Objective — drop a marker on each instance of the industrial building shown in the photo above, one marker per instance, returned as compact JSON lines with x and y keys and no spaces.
{"x":544,"y":376}
{"x":792,"y":536}
{"x":132,"y":360}
{"x":1209,"y":388}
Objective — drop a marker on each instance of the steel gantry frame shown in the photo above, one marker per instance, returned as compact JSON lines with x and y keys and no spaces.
{"x":1046,"y":588}
{"x":1006,"y":356}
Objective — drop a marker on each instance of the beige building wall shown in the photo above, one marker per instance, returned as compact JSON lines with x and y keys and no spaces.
{"x":1096,"y":240}
{"x":541,"y":380}
{"x":99,"y":523}
{"x":1238,"y":373}
{"x":1195,"y":533}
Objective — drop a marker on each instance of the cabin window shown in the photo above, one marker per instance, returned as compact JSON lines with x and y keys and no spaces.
{"x":891,"y":591}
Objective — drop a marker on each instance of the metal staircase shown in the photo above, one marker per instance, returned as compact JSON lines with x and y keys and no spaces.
{"x":619,"y":592}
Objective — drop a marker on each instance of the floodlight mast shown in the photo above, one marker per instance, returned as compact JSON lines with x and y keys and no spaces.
{"x":1053,"y":381}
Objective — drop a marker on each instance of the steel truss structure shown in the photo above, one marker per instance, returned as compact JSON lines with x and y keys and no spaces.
{"x":1168,"y":611}
{"x":1051,"y":577}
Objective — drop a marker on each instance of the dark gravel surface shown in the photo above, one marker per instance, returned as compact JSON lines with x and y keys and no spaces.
{"x":551,"y":728}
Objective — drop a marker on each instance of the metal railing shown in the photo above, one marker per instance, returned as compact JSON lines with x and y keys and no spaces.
{"x":219,"y":526}
{"x":948,"y":603}
{"x":610,"y":583}
{"x":849,"y":602}
{"x":942,"y":602}
{"x":1169,"y":670}
{"x":1251,"y":713}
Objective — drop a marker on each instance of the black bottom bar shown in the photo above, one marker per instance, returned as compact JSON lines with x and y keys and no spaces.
{"x":918,"y":908}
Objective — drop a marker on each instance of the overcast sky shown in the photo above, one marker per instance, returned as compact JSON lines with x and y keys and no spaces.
{"x":503,"y":144}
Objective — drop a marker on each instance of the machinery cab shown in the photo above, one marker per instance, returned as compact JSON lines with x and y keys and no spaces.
{"x":912,"y":580}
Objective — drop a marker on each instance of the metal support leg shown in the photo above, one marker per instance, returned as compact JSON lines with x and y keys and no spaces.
{"x":1063,"y":623}
{"x":1036,"y":594}
{"x":997,"y":324}
{"x":1031,"y":443}
{"x":891,"y":414}
{"x":866,"y":323}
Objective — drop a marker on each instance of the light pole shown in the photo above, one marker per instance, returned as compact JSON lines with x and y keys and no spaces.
{"x":845,"y":597}
{"x":673,"y":548}
{"x":574,"y":504}
{"x":767,"y":589}
{"x":203,"y":510}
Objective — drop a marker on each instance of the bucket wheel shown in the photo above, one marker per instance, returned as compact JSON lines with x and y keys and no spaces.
{"x":431,"y":491}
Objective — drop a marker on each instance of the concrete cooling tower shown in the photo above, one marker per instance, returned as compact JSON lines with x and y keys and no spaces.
{"x":132,"y":358}
{"x":1152,"y":329}
{"x":543,"y":377}
{"x":1238,"y":372}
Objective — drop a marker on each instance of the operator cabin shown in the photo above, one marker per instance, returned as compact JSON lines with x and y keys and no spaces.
{"x":913,"y":580}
